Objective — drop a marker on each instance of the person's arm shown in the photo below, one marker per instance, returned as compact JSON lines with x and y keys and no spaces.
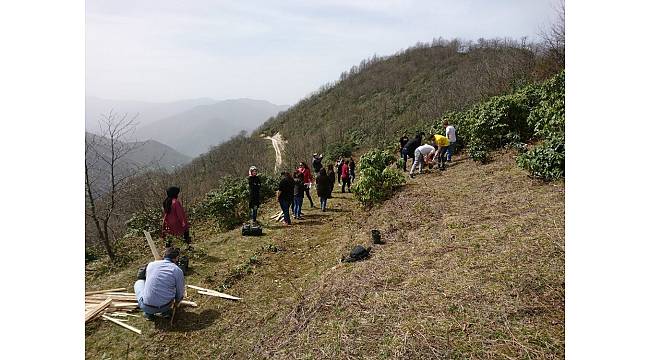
{"x":180,"y":285}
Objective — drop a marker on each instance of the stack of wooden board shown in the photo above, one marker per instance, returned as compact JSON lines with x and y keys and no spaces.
{"x":115,"y":302}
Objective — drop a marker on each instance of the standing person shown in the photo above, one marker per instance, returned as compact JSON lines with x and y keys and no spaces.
{"x":254,"y":186}
{"x":174,"y":219}
{"x":339,"y":164}
{"x":402,"y":143}
{"x":163,"y":284}
{"x":353,"y":166}
{"x":332,"y":179}
{"x":323,"y":187}
{"x":304,"y":169}
{"x":409,"y":148}
{"x":316,"y":162}
{"x":440,"y":143}
{"x":422,"y":155}
{"x":284,"y":195}
{"x":450,"y":133}
{"x":345,"y":175}
{"x":298,"y":193}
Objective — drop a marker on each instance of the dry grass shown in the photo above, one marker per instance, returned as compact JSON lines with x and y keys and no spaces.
{"x":473,"y":267}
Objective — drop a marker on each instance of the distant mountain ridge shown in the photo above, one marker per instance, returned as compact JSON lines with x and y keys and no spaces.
{"x":191,"y":126}
{"x":144,"y":155}
{"x":196,"y":130}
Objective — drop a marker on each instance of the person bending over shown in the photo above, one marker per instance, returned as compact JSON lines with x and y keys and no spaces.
{"x":163,"y":284}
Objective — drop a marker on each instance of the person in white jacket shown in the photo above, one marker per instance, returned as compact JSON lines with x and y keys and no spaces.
{"x":423,"y":154}
{"x":450,"y":133}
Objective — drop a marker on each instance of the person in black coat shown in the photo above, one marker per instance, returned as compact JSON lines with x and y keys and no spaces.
{"x":409,"y":148}
{"x":323,"y":188}
{"x":254,"y":186}
{"x":285,"y":195}
{"x":316,"y":162}
{"x":332,"y":179}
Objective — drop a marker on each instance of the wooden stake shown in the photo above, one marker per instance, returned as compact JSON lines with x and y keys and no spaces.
{"x":105,"y":291}
{"x":218,"y":294}
{"x":154,"y":250}
{"x":118,"y":322}
{"x":92,"y":313}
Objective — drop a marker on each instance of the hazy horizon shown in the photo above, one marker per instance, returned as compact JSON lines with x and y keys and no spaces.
{"x":164,"y":51}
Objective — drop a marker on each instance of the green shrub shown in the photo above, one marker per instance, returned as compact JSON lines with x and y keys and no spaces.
{"x":376,"y":180}
{"x":228,"y":204}
{"x":534,"y":113}
{"x":544,"y":161}
{"x":149,"y":220}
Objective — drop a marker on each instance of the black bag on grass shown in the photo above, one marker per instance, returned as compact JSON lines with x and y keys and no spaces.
{"x":251,"y":230}
{"x":184,"y":264}
{"x":358,"y":253}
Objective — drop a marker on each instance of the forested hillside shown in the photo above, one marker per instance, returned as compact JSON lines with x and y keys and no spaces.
{"x":370,"y":105}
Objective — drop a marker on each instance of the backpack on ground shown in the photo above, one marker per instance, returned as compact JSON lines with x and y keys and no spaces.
{"x":358,"y":253}
{"x":251,"y":230}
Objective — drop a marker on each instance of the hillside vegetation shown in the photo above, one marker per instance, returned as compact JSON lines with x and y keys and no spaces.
{"x":473,"y":267}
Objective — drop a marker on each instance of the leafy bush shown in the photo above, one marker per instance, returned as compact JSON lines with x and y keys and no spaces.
{"x":228,"y":204}
{"x":149,"y":220}
{"x":544,"y":161}
{"x":376,"y":180}
{"x":534,"y":113}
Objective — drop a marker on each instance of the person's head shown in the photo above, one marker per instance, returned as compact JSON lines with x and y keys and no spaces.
{"x":445,"y":123}
{"x":347,"y":162}
{"x":404,"y":134}
{"x":315,"y":155}
{"x":330,"y":167}
{"x":252,"y":171}
{"x":322,"y":171}
{"x":172,"y":254}
{"x":172,"y":193}
{"x":303,"y":165}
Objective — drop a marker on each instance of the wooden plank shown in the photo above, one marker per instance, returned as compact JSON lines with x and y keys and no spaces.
{"x":92,"y":313}
{"x":118,"y":322}
{"x":197,"y":288}
{"x":218,"y":294}
{"x":154,"y":250}
{"x":189,"y":303}
{"x":104,"y":291}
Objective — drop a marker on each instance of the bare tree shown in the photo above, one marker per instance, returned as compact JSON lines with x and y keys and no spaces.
{"x":105,"y":156}
{"x":553,"y":36}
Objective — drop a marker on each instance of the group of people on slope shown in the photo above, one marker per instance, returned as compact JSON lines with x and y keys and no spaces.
{"x":293,"y":188}
{"x":439,"y":150}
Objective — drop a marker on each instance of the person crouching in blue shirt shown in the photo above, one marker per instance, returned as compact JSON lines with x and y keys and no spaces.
{"x":163,"y":284}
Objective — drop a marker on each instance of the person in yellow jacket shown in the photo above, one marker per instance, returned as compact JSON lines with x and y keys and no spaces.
{"x":440,"y":142}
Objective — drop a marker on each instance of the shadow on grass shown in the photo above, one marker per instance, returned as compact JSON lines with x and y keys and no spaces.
{"x":306,"y":222}
{"x":188,"y":321}
{"x":337,"y":210}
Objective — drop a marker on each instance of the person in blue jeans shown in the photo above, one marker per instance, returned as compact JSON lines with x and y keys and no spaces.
{"x":284,"y":195}
{"x":298,"y":193}
{"x":450,"y":133}
{"x":164,"y":284}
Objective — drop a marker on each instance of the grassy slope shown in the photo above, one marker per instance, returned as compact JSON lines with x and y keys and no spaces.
{"x":473,"y":268}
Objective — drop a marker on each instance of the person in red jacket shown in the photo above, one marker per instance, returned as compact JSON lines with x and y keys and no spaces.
{"x":345,"y":175}
{"x":174,"y":219}
{"x":304,"y":169}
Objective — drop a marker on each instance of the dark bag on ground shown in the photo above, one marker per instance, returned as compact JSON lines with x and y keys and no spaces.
{"x":142,"y":273}
{"x":251,"y":230}
{"x":184,"y":264}
{"x":358,"y":253}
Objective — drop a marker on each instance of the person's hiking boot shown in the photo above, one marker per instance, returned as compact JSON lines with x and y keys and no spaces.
{"x":167,"y":314}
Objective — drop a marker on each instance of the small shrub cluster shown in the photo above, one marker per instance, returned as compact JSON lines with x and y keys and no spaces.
{"x":149,"y":220}
{"x":376,"y":180}
{"x":228,"y":204}
{"x":532,"y":114}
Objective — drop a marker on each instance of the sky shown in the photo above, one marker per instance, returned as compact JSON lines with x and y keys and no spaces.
{"x":279,"y":51}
